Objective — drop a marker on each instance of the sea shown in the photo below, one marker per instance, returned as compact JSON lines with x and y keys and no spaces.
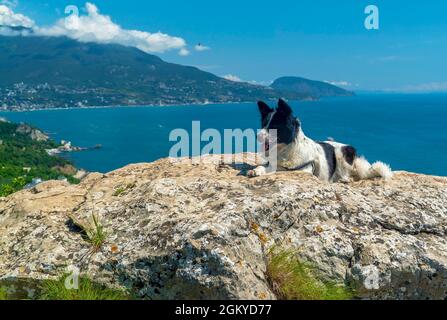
{"x":407,"y":131}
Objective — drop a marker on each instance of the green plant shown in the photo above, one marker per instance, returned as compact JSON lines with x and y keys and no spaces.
{"x":119,"y":191}
{"x":18,"y":182}
{"x":6,"y":190}
{"x":122,"y":189}
{"x":3,"y":294}
{"x":292,"y":279}
{"x":96,"y":234}
{"x":88,"y":290}
{"x":93,"y":233}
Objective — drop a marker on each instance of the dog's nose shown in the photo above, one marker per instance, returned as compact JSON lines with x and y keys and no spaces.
{"x":262,"y":136}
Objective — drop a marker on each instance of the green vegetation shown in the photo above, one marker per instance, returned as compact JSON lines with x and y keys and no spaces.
{"x":22,"y":159}
{"x":3,"y":294}
{"x":96,"y":234}
{"x":57,"y":290}
{"x":88,"y":290}
{"x":294,"y":280}
{"x":93,"y":233}
{"x":121,"y":189}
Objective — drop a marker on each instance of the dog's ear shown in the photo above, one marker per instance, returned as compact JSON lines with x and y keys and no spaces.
{"x":264,"y":108}
{"x":284,"y":109}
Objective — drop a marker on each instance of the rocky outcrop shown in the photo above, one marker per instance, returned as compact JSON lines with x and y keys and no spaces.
{"x":67,"y":146}
{"x":178,"y":230}
{"x":33,"y":133}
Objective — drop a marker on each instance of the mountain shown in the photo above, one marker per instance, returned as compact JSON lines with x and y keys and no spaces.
{"x":311,"y":88}
{"x":47,"y":72}
{"x":57,"y":72}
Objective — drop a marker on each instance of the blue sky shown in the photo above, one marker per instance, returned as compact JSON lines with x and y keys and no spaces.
{"x":263,"y":40}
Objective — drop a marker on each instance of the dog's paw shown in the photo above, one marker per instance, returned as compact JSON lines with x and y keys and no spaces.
{"x":259,"y":171}
{"x":345,"y":180}
{"x":251,"y":173}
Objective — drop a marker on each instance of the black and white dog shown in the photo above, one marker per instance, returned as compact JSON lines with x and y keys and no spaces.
{"x":329,"y":161}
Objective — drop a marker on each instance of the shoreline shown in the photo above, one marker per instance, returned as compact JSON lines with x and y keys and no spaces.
{"x":131,"y":106}
{"x":210,"y":103}
{"x":203,"y":104}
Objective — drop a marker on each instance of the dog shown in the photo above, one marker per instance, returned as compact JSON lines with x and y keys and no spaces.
{"x":329,"y":160}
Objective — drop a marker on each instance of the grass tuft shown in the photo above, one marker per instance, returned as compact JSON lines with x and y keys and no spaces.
{"x":292,"y":279}
{"x":88,"y":290}
{"x":3,"y":294}
{"x":93,"y":233}
{"x":119,"y":191}
{"x":122,"y":189}
{"x":96,"y":234}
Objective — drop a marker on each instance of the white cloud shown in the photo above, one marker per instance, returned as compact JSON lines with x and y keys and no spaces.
{"x":96,"y":27}
{"x":340,"y":83}
{"x":385,"y":59}
{"x":388,"y":58}
{"x":235,"y":78}
{"x":208,"y":67}
{"x":10,"y":3}
{"x":9,"y":18}
{"x":183,"y":52}
{"x":200,"y":47}
{"x":232,"y":77}
{"x":261,"y":83}
{"x":426,"y":87}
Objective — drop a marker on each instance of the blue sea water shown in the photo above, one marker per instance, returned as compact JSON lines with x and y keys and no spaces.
{"x":407,"y":131}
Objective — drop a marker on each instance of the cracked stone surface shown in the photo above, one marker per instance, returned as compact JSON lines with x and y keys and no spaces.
{"x":178,"y":230}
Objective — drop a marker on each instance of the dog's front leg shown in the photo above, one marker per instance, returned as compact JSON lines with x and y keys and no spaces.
{"x":261,"y":171}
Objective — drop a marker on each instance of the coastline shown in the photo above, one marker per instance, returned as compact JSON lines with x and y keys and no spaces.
{"x":131,"y":106}
{"x":208,"y":103}
{"x":212,"y":103}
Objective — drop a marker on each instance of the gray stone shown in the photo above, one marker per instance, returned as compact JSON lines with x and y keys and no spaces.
{"x":187,"y":231}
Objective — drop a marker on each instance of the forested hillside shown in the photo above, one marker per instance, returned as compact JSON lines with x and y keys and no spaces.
{"x":23,"y":159}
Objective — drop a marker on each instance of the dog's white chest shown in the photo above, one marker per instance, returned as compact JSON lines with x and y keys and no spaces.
{"x":289,"y":157}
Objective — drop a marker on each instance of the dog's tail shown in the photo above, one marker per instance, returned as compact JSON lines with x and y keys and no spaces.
{"x":364,"y":170}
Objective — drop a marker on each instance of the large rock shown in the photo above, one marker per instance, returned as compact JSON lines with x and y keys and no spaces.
{"x":178,"y":230}
{"x":34,"y":134}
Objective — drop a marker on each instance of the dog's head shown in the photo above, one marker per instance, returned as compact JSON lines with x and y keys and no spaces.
{"x":280,"y":119}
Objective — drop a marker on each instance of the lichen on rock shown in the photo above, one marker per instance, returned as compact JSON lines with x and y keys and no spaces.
{"x":185,"y":231}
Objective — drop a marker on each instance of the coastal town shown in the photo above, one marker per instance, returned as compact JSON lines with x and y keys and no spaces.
{"x":26,"y":97}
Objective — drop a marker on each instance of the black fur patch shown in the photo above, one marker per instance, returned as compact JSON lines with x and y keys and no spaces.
{"x":329,"y":152}
{"x":349,"y":153}
{"x":281,"y":120}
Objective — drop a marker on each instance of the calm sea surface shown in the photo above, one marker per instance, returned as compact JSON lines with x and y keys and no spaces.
{"x":407,"y":131}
